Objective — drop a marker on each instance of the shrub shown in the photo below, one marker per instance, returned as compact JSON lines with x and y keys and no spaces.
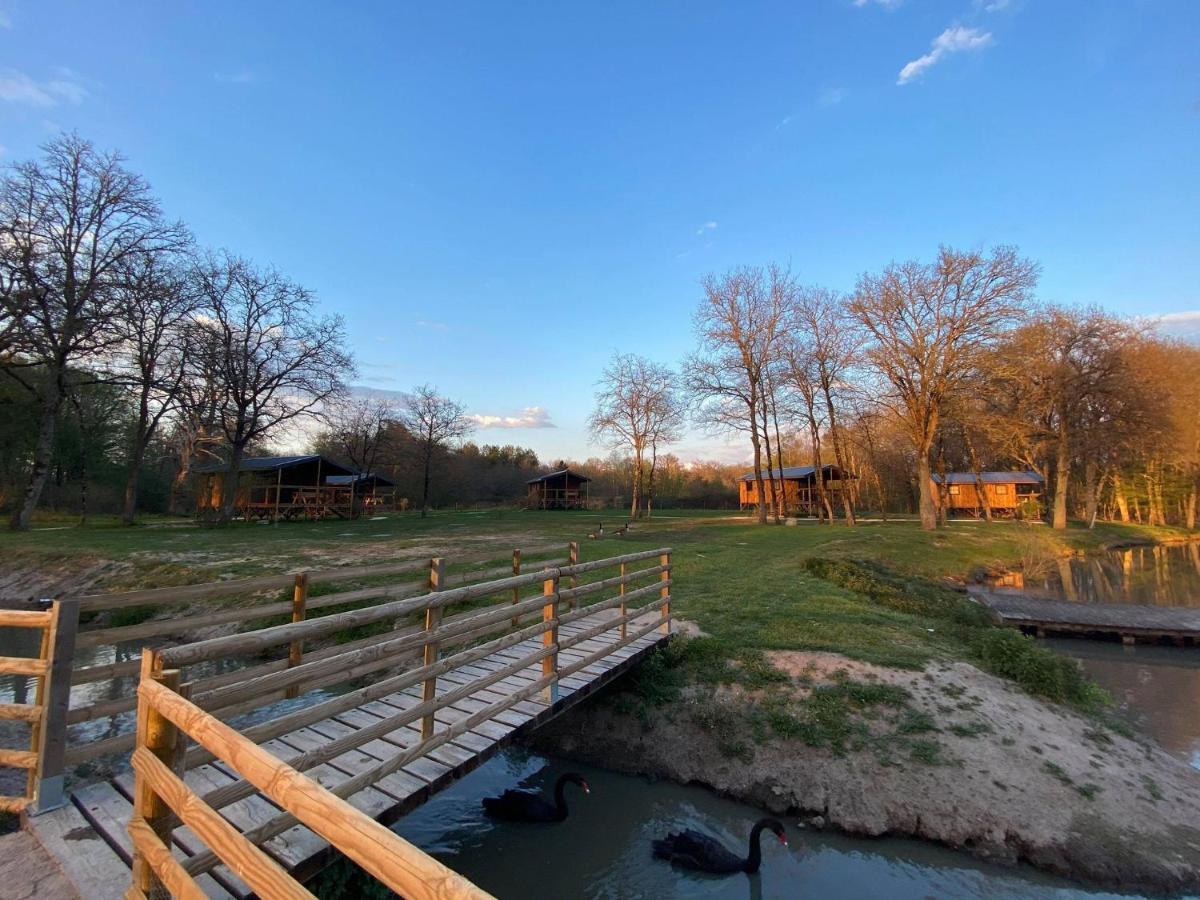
{"x":1039,"y":671}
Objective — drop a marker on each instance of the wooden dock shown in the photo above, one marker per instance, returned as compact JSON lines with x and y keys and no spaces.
{"x":382,"y":752}
{"x":1130,"y":622}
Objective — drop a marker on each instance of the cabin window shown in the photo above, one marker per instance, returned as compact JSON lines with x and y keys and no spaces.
{"x":1002,"y":489}
{"x":954,"y":490}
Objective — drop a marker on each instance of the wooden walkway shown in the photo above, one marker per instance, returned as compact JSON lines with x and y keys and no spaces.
{"x":1128,"y":621}
{"x":89,"y":836}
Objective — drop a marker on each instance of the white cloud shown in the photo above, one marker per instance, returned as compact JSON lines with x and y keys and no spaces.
{"x":706,"y":227}
{"x":62,"y":87}
{"x":886,"y":4}
{"x":432,"y":326}
{"x":832,"y":96}
{"x":240,"y":76}
{"x":993,"y":5}
{"x":1184,"y":325}
{"x":952,"y":40}
{"x":530,"y":417}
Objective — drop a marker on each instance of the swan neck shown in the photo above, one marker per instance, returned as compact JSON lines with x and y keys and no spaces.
{"x":755,"y":858}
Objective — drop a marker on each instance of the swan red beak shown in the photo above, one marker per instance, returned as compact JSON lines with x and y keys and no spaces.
{"x":586,"y":789}
{"x":783,"y":840}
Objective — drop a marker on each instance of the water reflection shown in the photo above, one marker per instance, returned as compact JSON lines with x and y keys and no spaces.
{"x":1160,"y":575}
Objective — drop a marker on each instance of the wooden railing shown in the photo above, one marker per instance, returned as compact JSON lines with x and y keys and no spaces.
{"x":440,"y":645}
{"x":45,"y":742}
{"x":161,"y":797}
{"x":299,"y":607}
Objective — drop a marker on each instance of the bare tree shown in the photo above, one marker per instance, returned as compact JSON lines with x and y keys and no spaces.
{"x":274,"y":361}
{"x":638,"y":409}
{"x":926,"y":325}
{"x":360,"y":430}
{"x":156,"y":302}
{"x":434,"y":422}
{"x":738,"y":323}
{"x":820,"y":319}
{"x":70,"y":224}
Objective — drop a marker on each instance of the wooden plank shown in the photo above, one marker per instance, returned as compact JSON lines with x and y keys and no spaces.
{"x":25,"y":618}
{"x":87,"y":860}
{"x":108,"y":811}
{"x":21,"y":665}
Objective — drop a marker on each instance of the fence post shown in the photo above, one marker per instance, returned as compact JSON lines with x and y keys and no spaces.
{"x":622,"y":608}
{"x":550,"y":635}
{"x":665,"y":592}
{"x":516,"y":592}
{"x":573,"y":559}
{"x":157,"y":734}
{"x":296,"y":648}
{"x":50,"y":740}
{"x":433,"y":618}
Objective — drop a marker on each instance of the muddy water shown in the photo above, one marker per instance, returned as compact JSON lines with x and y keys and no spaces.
{"x":603,"y":849}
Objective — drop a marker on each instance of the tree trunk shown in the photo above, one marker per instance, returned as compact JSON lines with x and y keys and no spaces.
{"x":980,"y":488}
{"x":425,"y":486}
{"x":783,"y":507}
{"x":1062,"y":471}
{"x":943,"y":488}
{"x":770,"y":464}
{"x":42,"y":454}
{"x":1119,"y":496}
{"x":1091,"y":485}
{"x":840,"y":458}
{"x":136,"y":455}
{"x":635,"y":501}
{"x":229,"y":498}
{"x":83,"y":491}
{"x":925,"y":489}
{"x":758,"y":479}
{"x":650,"y":481}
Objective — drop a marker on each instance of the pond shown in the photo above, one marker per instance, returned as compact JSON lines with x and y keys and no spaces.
{"x":602,"y":851}
{"x":1160,"y":575}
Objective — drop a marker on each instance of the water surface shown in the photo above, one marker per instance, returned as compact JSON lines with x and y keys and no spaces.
{"x":1159,"y":575}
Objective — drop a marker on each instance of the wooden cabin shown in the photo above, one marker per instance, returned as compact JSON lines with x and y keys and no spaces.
{"x":1007,"y":493}
{"x":279,"y":487}
{"x":373,"y":493}
{"x":799,"y":488}
{"x":563,"y":489}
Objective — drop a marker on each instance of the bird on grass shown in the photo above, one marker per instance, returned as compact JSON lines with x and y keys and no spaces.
{"x":695,"y":850}
{"x":527,"y":806}
{"x":620,"y":532}
{"x":598,"y":533}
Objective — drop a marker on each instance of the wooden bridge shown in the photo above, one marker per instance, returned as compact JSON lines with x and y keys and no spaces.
{"x":1130,"y":622}
{"x":247,"y":782}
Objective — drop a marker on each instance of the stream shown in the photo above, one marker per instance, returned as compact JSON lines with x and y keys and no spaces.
{"x":602,"y":851}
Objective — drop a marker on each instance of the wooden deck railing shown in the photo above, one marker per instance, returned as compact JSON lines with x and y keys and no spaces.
{"x":45,"y":743}
{"x":404,"y":657}
{"x":161,"y":797}
{"x":163,"y":631}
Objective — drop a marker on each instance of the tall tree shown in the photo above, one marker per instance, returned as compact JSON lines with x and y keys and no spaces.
{"x":157,"y":302}
{"x":275,"y":362}
{"x":71,"y":224}
{"x":738,"y":324}
{"x":638,"y":409}
{"x":434,"y":422}
{"x":926,"y":324}
{"x":359,"y":431}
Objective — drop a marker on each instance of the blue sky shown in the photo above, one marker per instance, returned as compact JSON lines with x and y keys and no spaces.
{"x":497,"y":197}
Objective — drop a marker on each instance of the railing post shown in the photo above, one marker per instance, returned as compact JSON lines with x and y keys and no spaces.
{"x":664,"y":560}
{"x":157,"y":734}
{"x":54,"y":694}
{"x":622,"y":606}
{"x":296,"y":648}
{"x":433,"y":618}
{"x":516,"y":592}
{"x":573,"y":559}
{"x":550,"y":636}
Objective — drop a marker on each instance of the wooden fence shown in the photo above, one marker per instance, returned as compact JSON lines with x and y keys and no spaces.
{"x":170,"y":711}
{"x":48,"y":670}
{"x":74,"y":639}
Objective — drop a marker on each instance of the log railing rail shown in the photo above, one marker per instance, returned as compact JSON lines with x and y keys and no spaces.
{"x":438,"y":647}
{"x":301,"y":606}
{"x":161,"y":797}
{"x":45,"y":739}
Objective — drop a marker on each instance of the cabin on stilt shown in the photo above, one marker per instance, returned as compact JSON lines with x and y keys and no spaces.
{"x":799,"y":488}
{"x":563,"y":489}
{"x":278,"y":487}
{"x":1009,"y":494}
{"x":373,"y":493}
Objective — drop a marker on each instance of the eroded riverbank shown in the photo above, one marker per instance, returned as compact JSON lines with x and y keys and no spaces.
{"x":982,"y":767}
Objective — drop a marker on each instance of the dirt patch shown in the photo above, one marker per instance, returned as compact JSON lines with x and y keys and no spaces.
{"x":1013,"y":778}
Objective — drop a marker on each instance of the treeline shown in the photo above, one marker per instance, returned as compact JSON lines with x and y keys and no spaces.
{"x":927,"y":368}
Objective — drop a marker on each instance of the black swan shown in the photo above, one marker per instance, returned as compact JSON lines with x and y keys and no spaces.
{"x":695,"y":850}
{"x":526,"y":806}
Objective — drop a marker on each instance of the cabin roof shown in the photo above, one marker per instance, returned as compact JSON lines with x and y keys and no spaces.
{"x":792,"y":472}
{"x":561,"y":473}
{"x":361,"y":476}
{"x":272,"y":463}
{"x":991,"y":478}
